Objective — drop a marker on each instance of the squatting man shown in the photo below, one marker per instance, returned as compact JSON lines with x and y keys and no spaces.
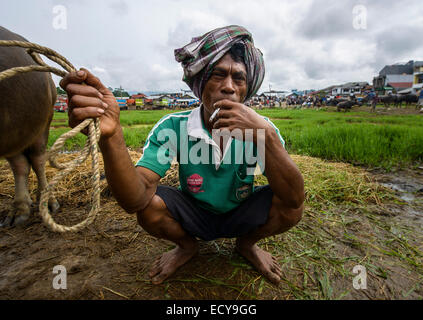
{"x":216,"y":198}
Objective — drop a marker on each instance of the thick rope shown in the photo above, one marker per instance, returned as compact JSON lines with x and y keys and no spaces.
{"x":90,"y":147}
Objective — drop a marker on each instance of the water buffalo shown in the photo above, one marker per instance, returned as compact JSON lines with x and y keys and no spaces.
{"x":398,"y":99}
{"x":26,"y":110}
{"x":407,"y":98}
{"x":346,"y":105}
{"x":388,"y":100}
{"x":335,"y":101}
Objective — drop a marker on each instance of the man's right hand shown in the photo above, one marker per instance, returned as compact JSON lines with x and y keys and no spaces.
{"x":89,"y":98}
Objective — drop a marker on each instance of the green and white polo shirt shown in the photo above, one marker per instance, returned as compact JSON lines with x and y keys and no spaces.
{"x":216,"y":182}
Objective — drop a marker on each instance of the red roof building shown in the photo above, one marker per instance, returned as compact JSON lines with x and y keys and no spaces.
{"x":400,"y":85}
{"x":138,"y":96}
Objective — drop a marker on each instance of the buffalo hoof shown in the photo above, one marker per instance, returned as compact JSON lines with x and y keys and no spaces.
{"x":53,"y":205}
{"x":8,"y":221}
{"x":20,"y":215}
{"x":21,"y":219}
{"x":15,"y":220}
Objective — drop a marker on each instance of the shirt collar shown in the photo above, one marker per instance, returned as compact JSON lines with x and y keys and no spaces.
{"x":195,"y":125}
{"x":196,"y":129}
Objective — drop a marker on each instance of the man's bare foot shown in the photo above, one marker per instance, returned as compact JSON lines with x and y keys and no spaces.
{"x":263,"y":261}
{"x":170,"y":261}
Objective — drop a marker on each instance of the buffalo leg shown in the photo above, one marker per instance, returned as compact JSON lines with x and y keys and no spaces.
{"x":38,"y":165}
{"x":22,"y":201}
{"x":36,"y":154}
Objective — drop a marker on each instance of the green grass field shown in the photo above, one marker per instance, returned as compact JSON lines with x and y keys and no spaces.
{"x":356,"y":137}
{"x":362,"y":138}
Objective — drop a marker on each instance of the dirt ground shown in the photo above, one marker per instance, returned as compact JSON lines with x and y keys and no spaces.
{"x":391,"y":110}
{"x":380,"y":109}
{"x":111,"y":258}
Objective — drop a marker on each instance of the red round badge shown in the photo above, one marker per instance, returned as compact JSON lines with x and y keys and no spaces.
{"x":194,"y":183}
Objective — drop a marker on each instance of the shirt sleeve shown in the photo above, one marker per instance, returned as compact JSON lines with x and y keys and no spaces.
{"x":160,"y":148}
{"x":280,"y":138}
{"x":277,"y":131}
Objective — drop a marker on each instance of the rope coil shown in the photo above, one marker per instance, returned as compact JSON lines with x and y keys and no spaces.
{"x":90,"y":147}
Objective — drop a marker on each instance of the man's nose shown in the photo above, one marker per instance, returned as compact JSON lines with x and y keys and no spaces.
{"x":228,"y":86}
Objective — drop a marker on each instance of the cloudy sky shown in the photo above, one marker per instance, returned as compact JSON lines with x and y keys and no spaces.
{"x":306,"y":44}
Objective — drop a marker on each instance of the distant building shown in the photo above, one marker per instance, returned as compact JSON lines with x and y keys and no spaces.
{"x":137,"y":101}
{"x":138,"y":96}
{"x":274,"y":94}
{"x":398,"y":86}
{"x":328,"y":90}
{"x":61,"y":104}
{"x":292,"y":95}
{"x":356,"y":88}
{"x":158,"y":101}
{"x":336,"y":90}
{"x":397,"y":77}
{"x":298,"y":93}
{"x":418,"y":75}
{"x":189,"y":96}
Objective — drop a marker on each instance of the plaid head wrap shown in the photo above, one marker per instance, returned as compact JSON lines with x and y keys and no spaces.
{"x":199,"y":57}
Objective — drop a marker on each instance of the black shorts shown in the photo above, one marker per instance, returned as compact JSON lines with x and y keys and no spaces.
{"x":207,"y":225}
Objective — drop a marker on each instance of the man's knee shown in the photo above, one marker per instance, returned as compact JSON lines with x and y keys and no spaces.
{"x":295,"y":215}
{"x":289,"y":217}
{"x":151,"y":217}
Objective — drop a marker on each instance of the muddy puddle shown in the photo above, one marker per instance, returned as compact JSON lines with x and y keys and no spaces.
{"x":408,"y":187}
{"x":408,"y":191}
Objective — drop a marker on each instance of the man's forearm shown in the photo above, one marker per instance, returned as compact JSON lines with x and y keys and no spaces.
{"x":284,"y":177}
{"x":127,"y":186}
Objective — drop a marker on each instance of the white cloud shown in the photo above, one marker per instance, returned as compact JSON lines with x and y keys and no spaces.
{"x":306,"y":44}
{"x":99,"y":70}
